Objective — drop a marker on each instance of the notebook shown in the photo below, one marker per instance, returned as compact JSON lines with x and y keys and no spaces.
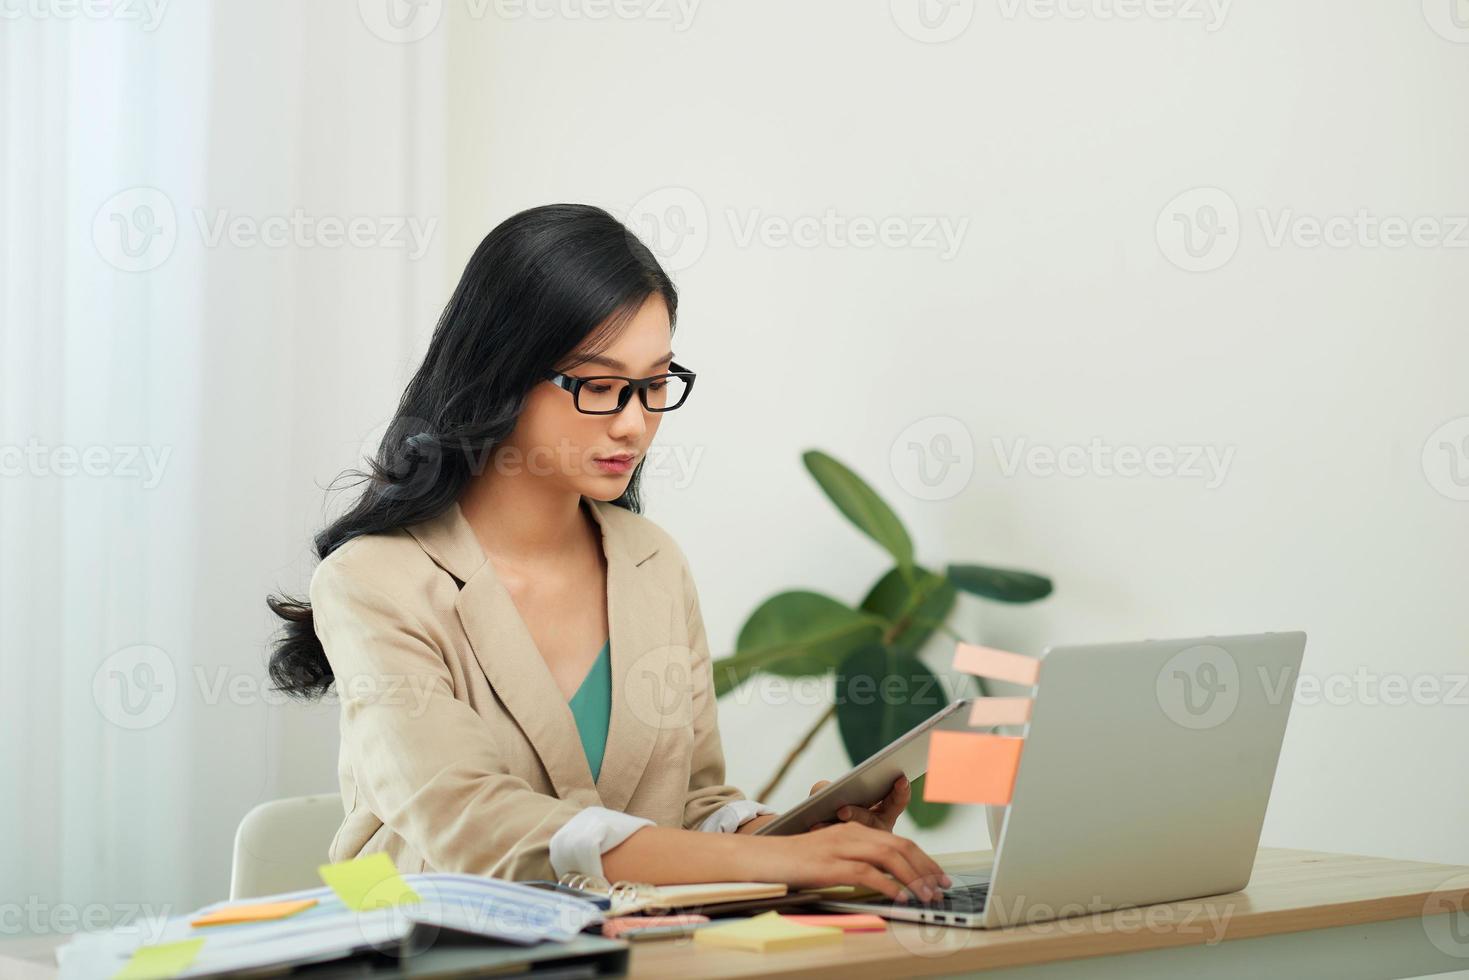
{"x":628,"y":897}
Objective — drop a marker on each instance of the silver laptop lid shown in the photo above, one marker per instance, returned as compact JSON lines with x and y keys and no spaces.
{"x":1145,"y":774}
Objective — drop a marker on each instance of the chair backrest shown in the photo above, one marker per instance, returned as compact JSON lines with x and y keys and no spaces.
{"x":280,"y":844}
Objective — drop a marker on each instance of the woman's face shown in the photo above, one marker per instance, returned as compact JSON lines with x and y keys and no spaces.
{"x":554,"y":442}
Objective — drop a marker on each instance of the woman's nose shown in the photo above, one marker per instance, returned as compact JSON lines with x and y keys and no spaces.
{"x":631,"y":422}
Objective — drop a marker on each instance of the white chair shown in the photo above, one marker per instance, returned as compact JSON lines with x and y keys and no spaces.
{"x":280,"y":844}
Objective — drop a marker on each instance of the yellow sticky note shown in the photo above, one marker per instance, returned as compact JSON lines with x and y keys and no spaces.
{"x":767,"y":933}
{"x":259,"y":912}
{"x":1000,"y":665}
{"x":965,"y":767}
{"x":368,"y":883}
{"x":161,"y":961}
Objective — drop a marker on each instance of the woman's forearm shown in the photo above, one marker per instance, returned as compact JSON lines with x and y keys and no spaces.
{"x":670,"y":856}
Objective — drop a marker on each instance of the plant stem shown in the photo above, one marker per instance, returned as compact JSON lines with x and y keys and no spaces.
{"x":795,"y":753}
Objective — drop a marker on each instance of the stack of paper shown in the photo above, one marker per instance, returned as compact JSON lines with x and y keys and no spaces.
{"x":368,"y":906}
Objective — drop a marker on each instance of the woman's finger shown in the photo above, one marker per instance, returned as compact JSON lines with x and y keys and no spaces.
{"x":820,"y":785}
{"x":896,"y":801}
{"x":862,"y":815}
{"x":895,"y":862}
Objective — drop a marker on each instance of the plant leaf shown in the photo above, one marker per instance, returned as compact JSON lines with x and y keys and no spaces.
{"x":795,"y":634}
{"x":880,"y":694}
{"x":861,"y":504}
{"x":924,"y":813}
{"x":927,"y":599}
{"x":1000,"y":584}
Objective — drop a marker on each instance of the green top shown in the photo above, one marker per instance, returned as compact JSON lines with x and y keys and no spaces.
{"x":591,"y":706}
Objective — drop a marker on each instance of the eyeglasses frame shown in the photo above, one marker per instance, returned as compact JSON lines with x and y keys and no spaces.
{"x":574,"y":385}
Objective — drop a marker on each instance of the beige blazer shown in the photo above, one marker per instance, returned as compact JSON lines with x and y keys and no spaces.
{"x":458,"y":751}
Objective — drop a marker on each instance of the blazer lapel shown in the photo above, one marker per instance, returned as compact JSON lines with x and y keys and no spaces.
{"x":642,"y":623}
{"x":642,"y":626}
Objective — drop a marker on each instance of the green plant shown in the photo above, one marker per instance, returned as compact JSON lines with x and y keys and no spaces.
{"x":882,"y":689}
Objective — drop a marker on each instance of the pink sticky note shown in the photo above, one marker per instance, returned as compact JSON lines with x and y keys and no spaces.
{"x":988,"y":712}
{"x":996,"y":664}
{"x":967,"y":767}
{"x":847,"y":922}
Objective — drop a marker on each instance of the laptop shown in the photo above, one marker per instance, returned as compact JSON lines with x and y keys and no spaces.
{"x":1144,"y":778}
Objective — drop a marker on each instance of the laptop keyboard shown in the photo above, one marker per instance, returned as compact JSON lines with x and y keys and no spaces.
{"x":968,"y":898}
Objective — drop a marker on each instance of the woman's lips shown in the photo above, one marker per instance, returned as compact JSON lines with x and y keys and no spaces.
{"x":615,"y":464}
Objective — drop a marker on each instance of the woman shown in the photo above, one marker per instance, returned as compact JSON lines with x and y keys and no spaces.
{"x":498,"y":717}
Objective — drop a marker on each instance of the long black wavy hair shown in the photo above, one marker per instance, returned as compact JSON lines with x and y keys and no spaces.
{"x":538,"y":286}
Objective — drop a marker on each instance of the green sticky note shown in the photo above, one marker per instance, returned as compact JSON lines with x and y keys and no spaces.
{"x":159,"y":962}
{"x":368,"y":883}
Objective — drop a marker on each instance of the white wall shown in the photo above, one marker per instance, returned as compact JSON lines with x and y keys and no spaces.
{"x":1061,"y":317}
{"x":1323,"y":370}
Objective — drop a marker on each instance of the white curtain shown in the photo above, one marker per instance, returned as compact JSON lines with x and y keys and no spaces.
{"x":223,"y":245}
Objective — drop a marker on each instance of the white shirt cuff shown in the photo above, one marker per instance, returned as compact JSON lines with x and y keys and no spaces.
{"x":580,"y":843}
{"x":727,"y":819}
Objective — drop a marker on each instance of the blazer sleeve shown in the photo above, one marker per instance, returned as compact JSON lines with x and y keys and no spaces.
{"x":423,"y":761}
{"x":708,"y":791}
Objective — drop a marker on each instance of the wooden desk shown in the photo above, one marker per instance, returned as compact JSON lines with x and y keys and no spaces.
{"x":1304,"y":914}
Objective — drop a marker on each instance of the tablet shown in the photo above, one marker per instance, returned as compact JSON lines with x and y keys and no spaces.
{"x":870,"y":782}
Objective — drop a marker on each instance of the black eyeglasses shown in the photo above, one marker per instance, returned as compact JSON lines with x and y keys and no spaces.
{"x":608,"y":394}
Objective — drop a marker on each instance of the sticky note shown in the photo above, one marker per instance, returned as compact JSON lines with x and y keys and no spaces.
{"x":987,"y":712}
{"x":259,"y":912}
{"x":995,"y":664}
{"x":767,"y":933}
{"x":629,"y":925}
{"x":853,"y":922}
{"x":367,"y":883}
{"x":160,"y":961}
{"x":970,"y":767}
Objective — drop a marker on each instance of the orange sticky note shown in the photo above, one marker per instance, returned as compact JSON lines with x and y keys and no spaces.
{"x":259,"y":912}
{"x":988,"y":712}
{"x":969,"y":767}
{"x":996,"y":664}
{"x":847,"y":922}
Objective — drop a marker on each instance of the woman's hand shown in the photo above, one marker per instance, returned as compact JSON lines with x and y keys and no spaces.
{"x":882,"y":815}
{"x":849,"y":854}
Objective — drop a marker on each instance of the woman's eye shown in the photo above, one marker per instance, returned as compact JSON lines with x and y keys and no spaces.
{"x":598,"y":389}
{"x":658,"y":385}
